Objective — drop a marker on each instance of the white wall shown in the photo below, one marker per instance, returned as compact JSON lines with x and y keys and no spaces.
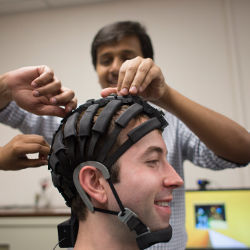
{"x":202,"y":47}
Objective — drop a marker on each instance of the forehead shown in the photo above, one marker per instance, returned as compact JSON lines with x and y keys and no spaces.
{"x":150,"y":144}
{"x":152,"y":139}
{"x":126,"y":44}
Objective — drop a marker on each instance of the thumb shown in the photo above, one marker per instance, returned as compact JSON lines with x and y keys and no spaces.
{"x":52,"y":110}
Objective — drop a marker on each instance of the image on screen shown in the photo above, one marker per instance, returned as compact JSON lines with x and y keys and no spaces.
{"x":210,"y":216}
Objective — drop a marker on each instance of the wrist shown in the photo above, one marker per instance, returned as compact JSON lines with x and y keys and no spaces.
{"x":1,"y":158}
{"x":164,"y":100}
{"x":5,"y":92}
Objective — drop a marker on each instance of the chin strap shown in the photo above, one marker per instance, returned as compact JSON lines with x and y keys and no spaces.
{"x":129,"y":218}
{"x":145,"y":238}
{"x":150,"y":238}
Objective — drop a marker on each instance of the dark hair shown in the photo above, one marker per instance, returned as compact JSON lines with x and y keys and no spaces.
{"x":114,"y":32}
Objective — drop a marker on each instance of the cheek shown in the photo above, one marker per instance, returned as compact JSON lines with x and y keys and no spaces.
{"x":138,"y":191}
{"x":102,"y":73}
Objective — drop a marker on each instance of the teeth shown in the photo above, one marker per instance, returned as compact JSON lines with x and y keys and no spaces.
{"x":162,"y":203}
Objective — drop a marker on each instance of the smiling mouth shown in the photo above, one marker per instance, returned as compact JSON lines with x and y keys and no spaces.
{"x":112,"y":81}
{"x":162,"y":203}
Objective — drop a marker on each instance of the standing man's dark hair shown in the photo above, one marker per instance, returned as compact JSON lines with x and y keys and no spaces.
{"x":114,"y":32}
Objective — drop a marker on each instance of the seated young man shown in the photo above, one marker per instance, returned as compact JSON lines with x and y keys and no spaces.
{"x":108,"y":160}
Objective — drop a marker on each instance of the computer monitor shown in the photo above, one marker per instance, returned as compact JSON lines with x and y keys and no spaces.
{"x":218,"y":219}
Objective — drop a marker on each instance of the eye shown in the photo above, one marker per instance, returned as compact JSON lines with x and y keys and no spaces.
{"x":106,"y":61}
{"x":153,"y":163}
{"x":127,"y":57}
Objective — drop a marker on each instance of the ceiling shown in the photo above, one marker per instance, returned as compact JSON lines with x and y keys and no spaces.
{"x":8,"y":7}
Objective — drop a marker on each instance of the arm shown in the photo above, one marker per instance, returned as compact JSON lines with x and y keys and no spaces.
{"x":36,"y":90}
{"x":13,"y":155}
{"x":223,"y":136}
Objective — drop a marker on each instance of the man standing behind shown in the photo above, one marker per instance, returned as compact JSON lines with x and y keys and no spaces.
{"x":122,"y":55}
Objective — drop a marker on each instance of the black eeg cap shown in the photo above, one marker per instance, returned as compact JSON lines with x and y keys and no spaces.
{"x":69,"y":149}
{"x":72,"y":146}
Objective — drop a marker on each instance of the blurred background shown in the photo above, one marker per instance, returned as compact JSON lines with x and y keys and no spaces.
{"x":202,"y":47}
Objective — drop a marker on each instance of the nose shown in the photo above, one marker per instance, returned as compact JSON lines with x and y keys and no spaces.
{"x":116,"y":65}
{"x":171,"y":178}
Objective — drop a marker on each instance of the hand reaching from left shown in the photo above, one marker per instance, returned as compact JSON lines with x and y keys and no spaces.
{"x":13,"y":154}
{"x":37,"y":90}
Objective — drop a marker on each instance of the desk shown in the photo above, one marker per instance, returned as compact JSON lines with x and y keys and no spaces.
{"x":24,"y":228}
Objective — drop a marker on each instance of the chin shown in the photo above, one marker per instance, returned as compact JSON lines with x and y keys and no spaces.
{"x":158,"y":226}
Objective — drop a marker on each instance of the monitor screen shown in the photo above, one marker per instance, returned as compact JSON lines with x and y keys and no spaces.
{"x":218,"y":219}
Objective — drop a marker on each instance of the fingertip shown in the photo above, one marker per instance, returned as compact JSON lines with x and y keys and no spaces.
{"x":141,"y":89}
{"x":68,"y":109}
{"x":61,"y":113}
{"x":133,"y":90}
{"x":124,"y":91}
{"x":71,"y":106}
{"x":34,"y":84}
{"x":41,"y":162}
{"x":42,"y":157}
{"x":36,"y":93}
{"x":53,"y":100}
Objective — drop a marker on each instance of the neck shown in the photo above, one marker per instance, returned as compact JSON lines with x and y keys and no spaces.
{"x":102,"y":231}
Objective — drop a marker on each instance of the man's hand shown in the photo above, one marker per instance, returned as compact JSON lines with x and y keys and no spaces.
{"x":140,"y":76}
{"x":13,"y":155}
{"x":37,"y":90}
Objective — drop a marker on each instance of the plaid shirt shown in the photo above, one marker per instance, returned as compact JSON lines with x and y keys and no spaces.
{"x":181,"y":143}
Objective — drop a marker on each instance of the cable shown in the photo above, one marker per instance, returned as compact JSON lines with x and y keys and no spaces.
{"x":58,"y":243}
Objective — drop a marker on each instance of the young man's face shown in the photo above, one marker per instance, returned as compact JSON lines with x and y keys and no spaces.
{"x":110,"y":58}
{"x":147,"y":181}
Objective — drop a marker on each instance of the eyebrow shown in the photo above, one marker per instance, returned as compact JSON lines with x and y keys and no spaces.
{"x":152,"y":149}
{"x":131,"y":52}
{"x":126,"y":51}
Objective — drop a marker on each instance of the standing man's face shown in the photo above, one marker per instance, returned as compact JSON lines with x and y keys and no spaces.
{"x":110,"y":58}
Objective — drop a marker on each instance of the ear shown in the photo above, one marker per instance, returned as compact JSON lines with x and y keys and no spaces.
{"x":92,"y":181}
